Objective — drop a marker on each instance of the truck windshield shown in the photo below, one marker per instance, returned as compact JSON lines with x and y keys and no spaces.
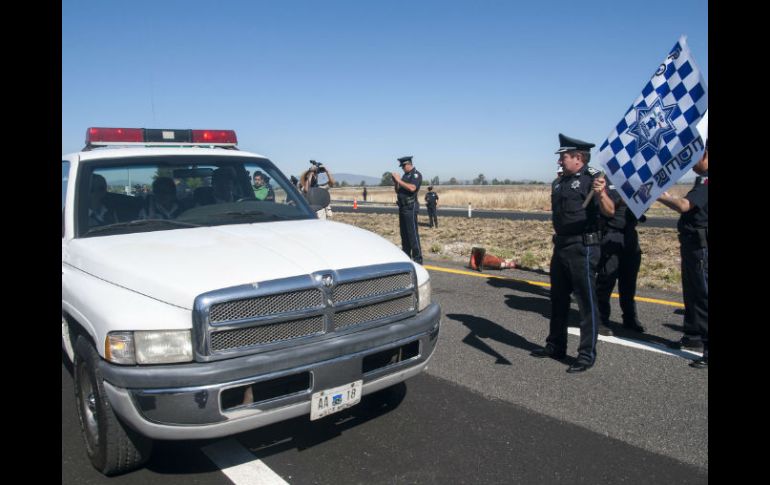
{"x":141,"y":194}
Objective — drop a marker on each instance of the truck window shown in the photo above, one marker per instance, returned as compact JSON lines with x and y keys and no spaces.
{"x":141,"y":194}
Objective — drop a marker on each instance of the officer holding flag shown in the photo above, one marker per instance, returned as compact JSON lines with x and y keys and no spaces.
{"x":577,"y":199}
{"x":693,"y":227}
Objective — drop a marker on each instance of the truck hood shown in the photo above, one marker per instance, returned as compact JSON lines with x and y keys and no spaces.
{"x":177,"y":265}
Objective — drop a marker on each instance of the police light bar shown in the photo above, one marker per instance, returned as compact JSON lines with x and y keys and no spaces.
{"x":147,"y":136}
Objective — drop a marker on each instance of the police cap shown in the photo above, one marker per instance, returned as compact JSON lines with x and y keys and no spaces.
{"x":404,"y":160}
{"x":567,"y":144}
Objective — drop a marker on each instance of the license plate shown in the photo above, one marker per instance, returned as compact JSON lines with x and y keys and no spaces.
{"x":330,"y":401}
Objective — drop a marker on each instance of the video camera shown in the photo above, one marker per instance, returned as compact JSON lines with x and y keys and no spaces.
{"x":318,"y":165}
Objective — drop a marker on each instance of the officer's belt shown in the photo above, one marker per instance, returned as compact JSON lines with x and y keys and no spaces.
{"x":404,"y":201}
{"x":590,"y":238}
{"x":698,"y":237}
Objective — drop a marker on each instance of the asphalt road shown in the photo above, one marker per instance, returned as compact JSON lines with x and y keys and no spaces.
{"x":369,"y":208}
{"x":483,"y":412}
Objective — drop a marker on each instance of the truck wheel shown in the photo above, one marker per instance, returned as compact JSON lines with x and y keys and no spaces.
{"x":112,"y":447}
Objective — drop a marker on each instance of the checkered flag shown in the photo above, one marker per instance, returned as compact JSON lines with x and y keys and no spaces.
{"x":658,"y":141}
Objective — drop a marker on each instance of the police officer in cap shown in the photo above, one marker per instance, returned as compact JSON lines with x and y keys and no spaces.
{"x":431,"y":200}
{"x":407,"y":187}
{"x":577,"y":199}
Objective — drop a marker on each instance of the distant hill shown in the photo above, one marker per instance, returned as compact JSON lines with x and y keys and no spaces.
{"x":353,"y":179}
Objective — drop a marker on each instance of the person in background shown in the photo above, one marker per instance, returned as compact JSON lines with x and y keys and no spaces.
{"x":262,"y":188}
{"x":98,"y":213}
{"x":163,"y":202}
{"x":364,"y":194}
{"x":431,"y":200}
{"x":309,"y":179}
{"x":693,"y":227}
{"x":407,"y":188}
{"x":577,"y":199}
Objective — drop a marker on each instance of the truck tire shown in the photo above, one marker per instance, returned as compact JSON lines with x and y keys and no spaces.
{"x":112,"y":447}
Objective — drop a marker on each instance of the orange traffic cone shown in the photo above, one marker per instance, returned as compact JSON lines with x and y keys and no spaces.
{"x":355,"y":203}
{"x":480,"y":260}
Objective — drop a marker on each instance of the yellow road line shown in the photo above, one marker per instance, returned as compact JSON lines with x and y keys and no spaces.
{"x":540,"y":283}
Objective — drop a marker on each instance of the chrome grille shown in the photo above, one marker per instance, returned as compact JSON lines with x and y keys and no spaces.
{"x":264,"y":334}
{"x":373,"y":312}
{"x":265,"y":305}
{"x":372,"y":287}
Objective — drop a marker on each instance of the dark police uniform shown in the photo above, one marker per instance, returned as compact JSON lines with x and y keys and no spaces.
{"x":620,"y":261}
{"x":575,"y":260}
{"x":693,"y":229}
{"x":431,"y":198}
{"x":408,"y":206}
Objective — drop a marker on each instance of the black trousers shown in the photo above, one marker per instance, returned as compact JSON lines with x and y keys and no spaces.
{"x":573,"y":269}
{"x":410,"y":237}
{"x":695,"y":290}
{"x":620,"y":261}
{"x":432,"y":216}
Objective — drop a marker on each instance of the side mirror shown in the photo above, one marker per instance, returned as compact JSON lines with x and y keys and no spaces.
{"x":318,"y":197}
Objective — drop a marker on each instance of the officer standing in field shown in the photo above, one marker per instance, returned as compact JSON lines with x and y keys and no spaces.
{"x":620,"y":261}
{"x":407,"y":187}
{"x":693,"y":229}
{"x":577,"y":199}
{"x":431,"y":200}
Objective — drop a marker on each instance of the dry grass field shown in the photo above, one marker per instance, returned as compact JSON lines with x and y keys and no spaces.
{"x":526,"y":242}
{"x":508,"y":197}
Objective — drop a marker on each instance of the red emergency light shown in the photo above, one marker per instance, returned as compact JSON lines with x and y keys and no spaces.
{"x":126,"y":135}
{"x":214,"y":136}
{"x":154,"y":136}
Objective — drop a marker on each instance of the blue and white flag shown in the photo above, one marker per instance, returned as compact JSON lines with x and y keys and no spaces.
{"x":658,"y":141}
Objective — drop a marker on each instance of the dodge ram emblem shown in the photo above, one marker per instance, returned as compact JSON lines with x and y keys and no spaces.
{"x":328,"y":280}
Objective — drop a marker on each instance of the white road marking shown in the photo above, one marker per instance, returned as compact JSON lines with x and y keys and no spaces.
{"x":239,"y":465}
{"x":636,"y":344}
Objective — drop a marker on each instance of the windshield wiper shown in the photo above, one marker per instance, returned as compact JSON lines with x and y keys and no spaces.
{"x":141,"y":223}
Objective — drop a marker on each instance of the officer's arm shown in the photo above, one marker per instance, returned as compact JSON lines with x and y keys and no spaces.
{"x":407,"y":186}
{"x":606,"y":205}
{"x":679,"y":204}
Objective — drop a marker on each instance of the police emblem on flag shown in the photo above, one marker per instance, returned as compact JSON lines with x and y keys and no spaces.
{"x":651,"y":124}
{"x":658,"y":139}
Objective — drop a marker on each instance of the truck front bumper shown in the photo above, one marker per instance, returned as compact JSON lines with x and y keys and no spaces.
{"x":174,"y":402}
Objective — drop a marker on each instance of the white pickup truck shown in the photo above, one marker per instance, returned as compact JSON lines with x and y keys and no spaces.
{"x":193,"y":306}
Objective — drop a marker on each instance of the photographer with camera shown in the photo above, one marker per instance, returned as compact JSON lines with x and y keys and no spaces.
{"x":309,"y":180}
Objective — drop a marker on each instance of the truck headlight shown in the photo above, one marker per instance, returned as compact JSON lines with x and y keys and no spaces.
{"x":423,"y":295}
{"x":149,"y":347}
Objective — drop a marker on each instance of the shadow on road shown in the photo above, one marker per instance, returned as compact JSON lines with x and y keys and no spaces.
{"x":481,"y":328}
{"x":540,"y":303}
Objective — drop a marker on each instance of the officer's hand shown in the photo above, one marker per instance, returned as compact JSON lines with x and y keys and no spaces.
{"x":396,"y":177}
{"x":599,"y":184}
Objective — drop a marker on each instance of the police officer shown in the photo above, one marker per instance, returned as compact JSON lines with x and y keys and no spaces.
{"x":431,"y":200}
{"x":407,"y":187}
{"x":577,"y":198}
{"x":620,"y":261}
{"x":693,"y":227}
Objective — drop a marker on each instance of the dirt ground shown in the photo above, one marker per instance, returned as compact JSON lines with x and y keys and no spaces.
{"x":528,"y":243}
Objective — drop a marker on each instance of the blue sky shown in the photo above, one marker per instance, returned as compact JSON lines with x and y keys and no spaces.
{"x":466,"y":87}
